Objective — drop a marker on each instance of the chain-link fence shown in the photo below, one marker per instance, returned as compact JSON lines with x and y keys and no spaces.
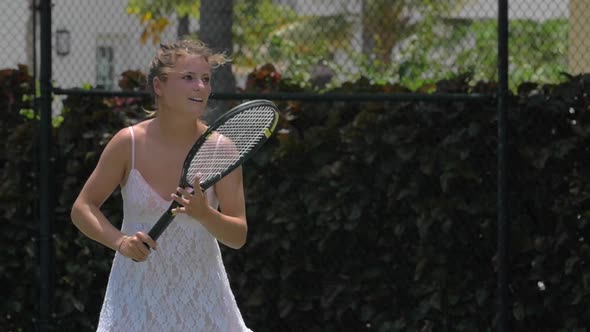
{"x":17,"y":43}
{"x":312,"y":42}
{"x":325,"y":43}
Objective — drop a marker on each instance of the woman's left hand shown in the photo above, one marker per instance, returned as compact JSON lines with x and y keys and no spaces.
{"x":193,"y":202}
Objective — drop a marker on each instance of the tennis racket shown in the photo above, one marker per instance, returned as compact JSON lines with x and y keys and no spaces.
{"x":231,"y":140}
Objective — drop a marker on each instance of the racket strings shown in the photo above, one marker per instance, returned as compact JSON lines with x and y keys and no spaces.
{"x":230,"y":142}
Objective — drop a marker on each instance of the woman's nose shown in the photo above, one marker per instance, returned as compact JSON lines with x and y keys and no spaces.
{"x":199,"y":83}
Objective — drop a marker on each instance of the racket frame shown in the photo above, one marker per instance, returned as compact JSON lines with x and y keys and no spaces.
{"x":168,"y":216}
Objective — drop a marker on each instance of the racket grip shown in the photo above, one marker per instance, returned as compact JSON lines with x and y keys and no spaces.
{"x":161,"y":224}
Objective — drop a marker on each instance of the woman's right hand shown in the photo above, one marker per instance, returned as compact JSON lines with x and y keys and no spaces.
{"x":134,"y":246}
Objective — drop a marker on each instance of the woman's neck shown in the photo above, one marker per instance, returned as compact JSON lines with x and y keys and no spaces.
{"x":178,"y":130}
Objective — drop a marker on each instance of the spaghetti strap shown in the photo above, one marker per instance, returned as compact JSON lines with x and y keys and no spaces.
{"x":217,"y":146}
{"x":132,"y":147}
{"x":217,"y":142}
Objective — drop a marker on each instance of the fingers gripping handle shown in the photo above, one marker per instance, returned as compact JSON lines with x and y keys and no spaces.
{"x":162,"y":223}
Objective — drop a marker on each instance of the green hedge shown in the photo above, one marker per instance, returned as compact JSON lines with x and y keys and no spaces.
{"x":362,"y":216}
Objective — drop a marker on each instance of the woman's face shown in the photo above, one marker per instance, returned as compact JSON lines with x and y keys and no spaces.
{"x":186,"y":86}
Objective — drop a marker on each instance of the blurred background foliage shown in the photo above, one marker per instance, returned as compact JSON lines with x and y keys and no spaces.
{"x":403,"y":41}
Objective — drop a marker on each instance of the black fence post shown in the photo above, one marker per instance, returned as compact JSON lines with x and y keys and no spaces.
{"x":504,"y":312}
{"x":45,"y":230}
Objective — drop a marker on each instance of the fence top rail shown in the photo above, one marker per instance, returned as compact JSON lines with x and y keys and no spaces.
{"x":303,"y":96}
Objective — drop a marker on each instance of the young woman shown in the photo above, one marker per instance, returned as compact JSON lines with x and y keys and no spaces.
{"x":181,"y":284}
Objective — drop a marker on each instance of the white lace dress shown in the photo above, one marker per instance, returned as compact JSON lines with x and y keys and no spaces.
{"x":182,"y":286}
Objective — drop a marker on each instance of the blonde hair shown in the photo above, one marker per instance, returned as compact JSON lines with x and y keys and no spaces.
{"x":168,"y":54}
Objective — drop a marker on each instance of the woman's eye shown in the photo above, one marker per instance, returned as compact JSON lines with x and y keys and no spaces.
{"x":206,"y":79}
{"x":189,"y":78}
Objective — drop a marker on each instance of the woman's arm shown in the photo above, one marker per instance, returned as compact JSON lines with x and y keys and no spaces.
{"x":86,"y":215}
{"x":229,"y":226}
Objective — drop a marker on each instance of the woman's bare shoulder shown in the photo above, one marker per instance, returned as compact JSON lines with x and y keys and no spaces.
{"x":118,"y":148}
{"x":140,"y":129}
{"x":124,"y":137}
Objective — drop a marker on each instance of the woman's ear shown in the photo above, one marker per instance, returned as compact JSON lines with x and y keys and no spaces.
{"x":157,"y":84}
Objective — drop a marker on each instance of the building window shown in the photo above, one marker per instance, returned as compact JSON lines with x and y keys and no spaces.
{"x":105,"y":67}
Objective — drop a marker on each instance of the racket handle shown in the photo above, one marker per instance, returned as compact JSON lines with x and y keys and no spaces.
{"x":161,"y":224}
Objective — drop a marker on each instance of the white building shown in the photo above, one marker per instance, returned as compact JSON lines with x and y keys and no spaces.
{"x":538,"y":10}
{"x":104,"y":42}
{"x":93,"y":41}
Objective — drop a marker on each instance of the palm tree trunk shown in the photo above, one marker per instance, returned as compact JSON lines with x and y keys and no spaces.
{"x":183,"y":27}
{"x":368,"y":38}
{"x":216,"y":31}
{"x":383,"y":22}
{"x":579,"y":57}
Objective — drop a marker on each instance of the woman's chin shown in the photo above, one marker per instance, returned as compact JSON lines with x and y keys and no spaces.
{"x":197,"y":112}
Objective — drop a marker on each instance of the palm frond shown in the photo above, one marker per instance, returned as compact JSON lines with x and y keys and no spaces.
{"x":336,"y":30}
